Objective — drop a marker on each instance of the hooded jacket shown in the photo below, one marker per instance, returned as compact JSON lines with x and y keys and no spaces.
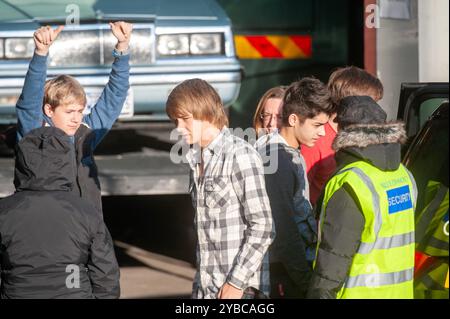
{"x":54,"y":244}
{"x":380,"y":146}
{"x":295,"y":226}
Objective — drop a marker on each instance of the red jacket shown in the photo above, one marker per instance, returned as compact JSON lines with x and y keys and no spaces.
{"x":320,"y":163}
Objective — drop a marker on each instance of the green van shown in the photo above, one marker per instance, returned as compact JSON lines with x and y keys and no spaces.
{"x":278,"y":42}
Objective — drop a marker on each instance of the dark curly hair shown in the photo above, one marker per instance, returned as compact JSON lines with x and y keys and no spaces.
{"x":306,"y":98}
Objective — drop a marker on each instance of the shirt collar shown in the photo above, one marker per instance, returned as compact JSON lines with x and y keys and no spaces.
{"x":216,"y":145}
{"x":213,"y":149}
{"x":271,"y":138}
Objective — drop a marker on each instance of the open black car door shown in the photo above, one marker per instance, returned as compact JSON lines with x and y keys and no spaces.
{"x":418,"y":101}
{"x":425,"y":108}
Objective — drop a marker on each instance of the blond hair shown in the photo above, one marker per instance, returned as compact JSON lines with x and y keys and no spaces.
{"x":353,"y":81}
{"x":199,"y":98}
{"x":63,"y":89}
{"x":273,"y":93}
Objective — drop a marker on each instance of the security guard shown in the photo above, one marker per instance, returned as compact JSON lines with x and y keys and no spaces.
{"x":366,"y":228}
{"x":431,"y":276}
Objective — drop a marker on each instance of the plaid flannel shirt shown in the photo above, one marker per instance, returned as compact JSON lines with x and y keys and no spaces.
{"x":233,"y":217}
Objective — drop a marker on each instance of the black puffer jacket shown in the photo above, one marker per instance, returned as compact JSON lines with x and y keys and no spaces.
{"x":379,"y":145}
{"x":49,"y":236}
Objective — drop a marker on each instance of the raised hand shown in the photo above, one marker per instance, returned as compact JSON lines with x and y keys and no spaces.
{"x":44,"y":38}
{"x":122,"y":31}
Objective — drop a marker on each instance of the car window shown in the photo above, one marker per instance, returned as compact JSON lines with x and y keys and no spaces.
{"x":417,"y":102}
{"x":427,"y":108}
{"x":428,"y":158}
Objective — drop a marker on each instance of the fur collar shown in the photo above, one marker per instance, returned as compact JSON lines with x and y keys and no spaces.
{"x":364,"y":135}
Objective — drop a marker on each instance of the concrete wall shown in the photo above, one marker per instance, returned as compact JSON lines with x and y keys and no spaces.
{"x":433,"y":40}
{"x":397,"y":55}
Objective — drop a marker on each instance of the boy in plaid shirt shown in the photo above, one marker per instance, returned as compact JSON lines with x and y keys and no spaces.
{"x":232,"y":213}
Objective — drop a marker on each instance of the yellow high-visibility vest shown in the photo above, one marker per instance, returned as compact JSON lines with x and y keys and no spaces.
{"x":383,"y":266}
{"x":432,"y":240}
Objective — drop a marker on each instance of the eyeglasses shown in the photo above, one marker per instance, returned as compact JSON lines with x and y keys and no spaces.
{"x":268,"y":116}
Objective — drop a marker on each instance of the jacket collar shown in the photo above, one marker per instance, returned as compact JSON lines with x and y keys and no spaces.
{"x":44,"y":161}
{"x":377,"y":144}
{"x":361,"y":136}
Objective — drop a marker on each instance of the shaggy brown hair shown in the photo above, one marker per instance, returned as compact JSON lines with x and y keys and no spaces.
{"x":199,"y":98}
{"x":353,"y":81}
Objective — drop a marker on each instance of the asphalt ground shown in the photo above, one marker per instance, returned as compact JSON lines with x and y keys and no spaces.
{"x":154,"y":243}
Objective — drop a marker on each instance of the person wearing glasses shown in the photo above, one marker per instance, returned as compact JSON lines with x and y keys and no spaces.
{"x":267,"y":117}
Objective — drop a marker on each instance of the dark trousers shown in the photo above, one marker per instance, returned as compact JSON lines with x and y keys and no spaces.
{"x":282,"y":286}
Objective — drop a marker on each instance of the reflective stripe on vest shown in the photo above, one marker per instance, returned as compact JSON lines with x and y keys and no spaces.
{"x":377,"y":270}
{"x":414,"y":191}
{"x":438,"y":244}
{"x":433,"y":283}
{"x":375,"y":199}
{"x":376,"y":280}
{"x":429,"y":213}
{"x":380,"y":242}
{"x":387,"y":242}
{"x":432,"y":222}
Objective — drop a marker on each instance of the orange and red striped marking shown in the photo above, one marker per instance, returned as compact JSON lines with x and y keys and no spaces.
{"x":273,"y":46}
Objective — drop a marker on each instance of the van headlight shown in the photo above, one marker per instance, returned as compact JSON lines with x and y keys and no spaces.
{"x":206,"y":43}
{"x":19,"y":48}
{"x":190,"y":44}
{"x":173,"y":44}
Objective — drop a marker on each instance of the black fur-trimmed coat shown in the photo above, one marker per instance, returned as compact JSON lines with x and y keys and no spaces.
{"x":379,"y":145}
